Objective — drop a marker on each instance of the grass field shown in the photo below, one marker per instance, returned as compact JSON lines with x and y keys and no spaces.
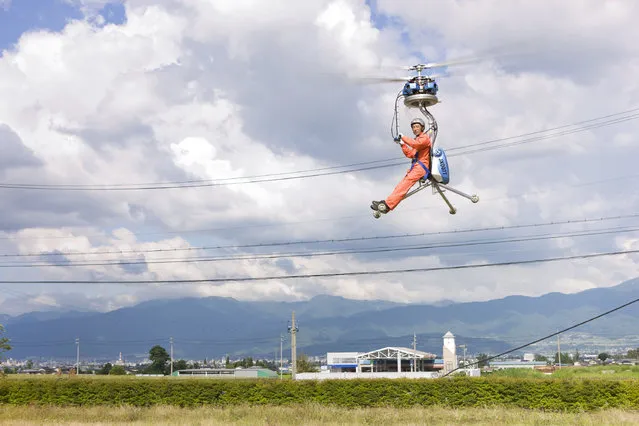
{"x":597,"y":372}
{"x":304,"y":415}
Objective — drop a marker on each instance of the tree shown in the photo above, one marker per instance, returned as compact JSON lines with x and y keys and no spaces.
{"x":180,"y":364}
{"x":267,"y":364}
{"x":106,"y":368}
{"x":117,"y":370}
{"x":304,"y":365}
{"x":159,"y":358}
{"x":539,"y":357}
{"x":633,"y":353}
{"x":4,"y":342}
{"x":482,"y":358}
{"x":565,"y":358}
{"x":603,"y":356}
{"x":244,"y":363}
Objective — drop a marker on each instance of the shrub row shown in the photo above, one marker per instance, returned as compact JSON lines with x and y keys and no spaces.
{"x":551,"y":394}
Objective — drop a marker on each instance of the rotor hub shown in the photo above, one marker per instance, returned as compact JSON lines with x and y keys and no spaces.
{"x":419,"y":99}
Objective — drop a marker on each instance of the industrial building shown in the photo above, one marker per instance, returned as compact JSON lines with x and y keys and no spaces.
{"x":227,"y":373}
{"x":395,"y":359}
{"x":388,"y":362}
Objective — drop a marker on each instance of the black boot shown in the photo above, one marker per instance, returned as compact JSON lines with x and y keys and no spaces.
{"x":380,"y":206}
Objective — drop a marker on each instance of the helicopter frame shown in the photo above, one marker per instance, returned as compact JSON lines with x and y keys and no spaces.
{"x":439,"y":176}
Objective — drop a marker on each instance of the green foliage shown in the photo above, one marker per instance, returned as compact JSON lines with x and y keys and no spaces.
{"x":244,"y":363}
{"x":550,"y":394}
{"x":304,"y":365}
{"x":117,"y":370}
{"x":614,"y":372}
{"x":541,"y":358}
{"x":106,"y":368}
{"x":267,"y":364}
{"x":159,"y":358}
{"x":481,"y":358}
{"x":633,"y":353}
{"x":603,"y":356}
{"x":516,"y":372}
{"x":4,"y":342}
{"x":180,"y":364}
{"x":565,"y":358}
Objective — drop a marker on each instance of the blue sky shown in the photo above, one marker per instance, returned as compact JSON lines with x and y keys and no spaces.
{"x":27,"y":15}
{"x":383,"y":21}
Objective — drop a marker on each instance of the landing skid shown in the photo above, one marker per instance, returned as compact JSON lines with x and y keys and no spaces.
{"x":437,"y":188}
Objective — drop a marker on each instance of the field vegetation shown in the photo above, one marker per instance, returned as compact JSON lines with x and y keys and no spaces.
{"x":574,"y":395}
{"x":570,"y":394}
{"x":306,"y":414}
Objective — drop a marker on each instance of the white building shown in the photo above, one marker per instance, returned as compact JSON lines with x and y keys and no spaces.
{"x":498,"y":365}
{"x":342,"y":361}
{"x":388,"y":362}
{"x":449,"y":352}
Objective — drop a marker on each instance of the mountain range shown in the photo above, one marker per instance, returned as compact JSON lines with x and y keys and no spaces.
{"x":214,"y":327}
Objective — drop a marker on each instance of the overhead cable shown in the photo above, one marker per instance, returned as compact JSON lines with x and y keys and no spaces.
{"x":270,"y":256}
{"x":549,"y":336}
{"x":323,"y":275}
{"x":278,"y":176}
{"x":330,"y":241}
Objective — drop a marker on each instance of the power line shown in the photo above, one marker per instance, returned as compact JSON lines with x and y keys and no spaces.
{"x":550,"y":335}
{"x":333,"y":240}
{"x":245,"y":226}
{"x":323,"y":275}
{"x":539,"y":138}
{"x":117,"y":262}
{"x":52,"y":187}
{"x":278,"y":176}
{"x":545,"y":130}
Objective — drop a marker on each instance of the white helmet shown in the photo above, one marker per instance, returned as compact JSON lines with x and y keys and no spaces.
{"x":418,"y":120}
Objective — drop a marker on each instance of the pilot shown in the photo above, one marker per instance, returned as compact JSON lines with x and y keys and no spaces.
{"x":419,"y":150}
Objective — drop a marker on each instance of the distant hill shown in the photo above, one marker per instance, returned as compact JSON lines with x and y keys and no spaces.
{"x":216,"y":326}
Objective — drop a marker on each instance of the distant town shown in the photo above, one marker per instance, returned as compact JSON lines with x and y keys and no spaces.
{"x":158,"y":361}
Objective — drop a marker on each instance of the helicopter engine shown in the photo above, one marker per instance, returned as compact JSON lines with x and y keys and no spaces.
{"x":420,"y":91}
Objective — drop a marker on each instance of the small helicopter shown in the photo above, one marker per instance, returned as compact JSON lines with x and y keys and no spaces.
{"x":420,"y":92}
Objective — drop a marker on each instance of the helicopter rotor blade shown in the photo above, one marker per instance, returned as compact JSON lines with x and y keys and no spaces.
{"x":372,"y":79}
{"x":447,"y":63}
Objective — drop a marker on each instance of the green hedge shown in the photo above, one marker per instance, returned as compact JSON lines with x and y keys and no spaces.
{"x":551,"y":394}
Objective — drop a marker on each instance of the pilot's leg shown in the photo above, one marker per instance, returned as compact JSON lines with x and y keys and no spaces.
{"x":401,"y":189}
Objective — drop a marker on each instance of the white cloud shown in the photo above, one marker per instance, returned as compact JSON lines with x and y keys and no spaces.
{"x":211,"y":90}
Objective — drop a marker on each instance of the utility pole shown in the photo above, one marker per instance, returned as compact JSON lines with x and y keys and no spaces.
{"x":281,"y":359}
{"x":77,"y":362}
{"x":293,"y":330}
{"x":414,"y":352}
{"x":558,"y":352}
{"x":464,"y":347}
{"x":171,"y":340}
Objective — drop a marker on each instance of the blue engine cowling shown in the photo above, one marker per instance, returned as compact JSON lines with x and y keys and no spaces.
{"x":412,"y":88}
{"x":439,"y":166}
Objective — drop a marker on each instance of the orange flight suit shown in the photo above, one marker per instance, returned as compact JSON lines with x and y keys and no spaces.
{"x":419,"y":150}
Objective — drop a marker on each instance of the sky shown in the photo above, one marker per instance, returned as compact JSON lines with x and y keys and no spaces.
{"x":105,"y":104}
